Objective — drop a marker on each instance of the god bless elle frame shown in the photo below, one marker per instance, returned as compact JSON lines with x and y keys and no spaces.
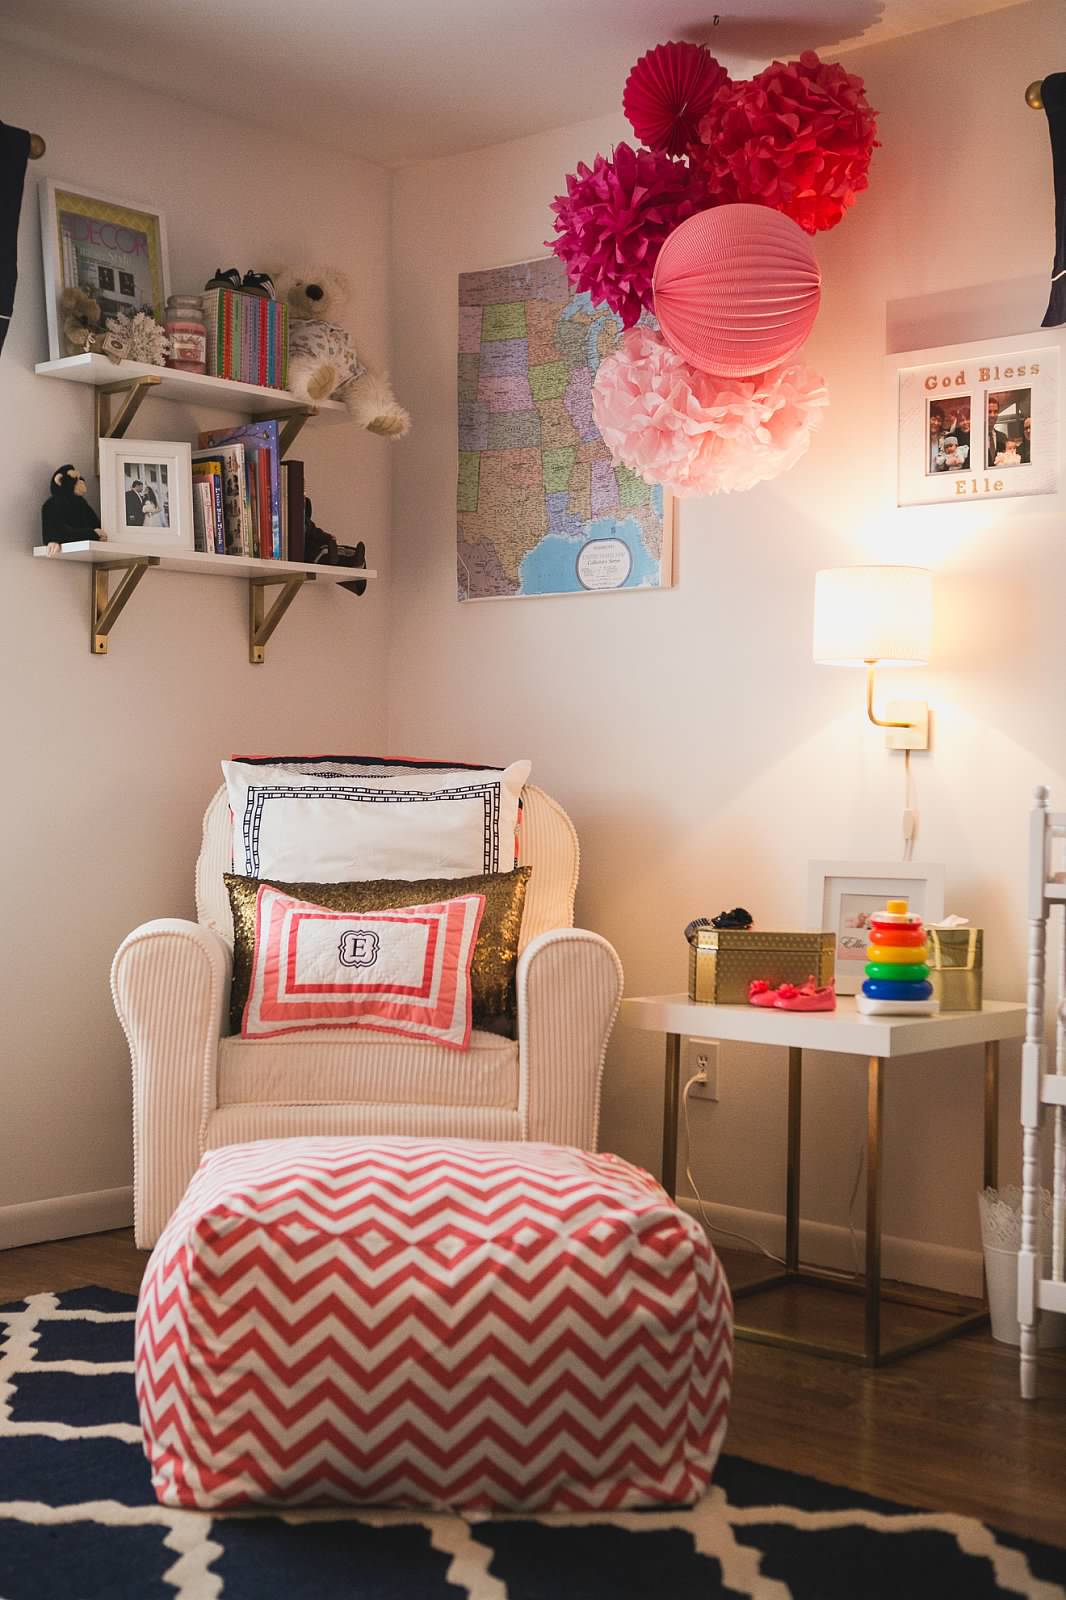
{"x":980,"y":421}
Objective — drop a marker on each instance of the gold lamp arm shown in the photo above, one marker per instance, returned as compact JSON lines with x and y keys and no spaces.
{"x":878,"y":721}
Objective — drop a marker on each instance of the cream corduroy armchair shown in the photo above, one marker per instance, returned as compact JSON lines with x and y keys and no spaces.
{"x":195,"y":1088}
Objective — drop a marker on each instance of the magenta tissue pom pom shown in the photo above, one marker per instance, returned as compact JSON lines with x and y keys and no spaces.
{"x":613,"y":220}
{"x":696,"y":433}
{"x":797,"y":137}
{"x":668,"y":91}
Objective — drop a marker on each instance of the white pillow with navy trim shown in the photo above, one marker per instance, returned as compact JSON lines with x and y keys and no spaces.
{"x":318,"y":827}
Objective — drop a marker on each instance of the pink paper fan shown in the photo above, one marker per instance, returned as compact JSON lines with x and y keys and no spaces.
{"x":667,"y":93}
{"x":737,"y":289}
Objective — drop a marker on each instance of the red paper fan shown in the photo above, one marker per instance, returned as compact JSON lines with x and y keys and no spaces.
{"x":668,"y":91}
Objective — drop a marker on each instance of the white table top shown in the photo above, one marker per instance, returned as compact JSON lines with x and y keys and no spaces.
{"x":845,"y":1029}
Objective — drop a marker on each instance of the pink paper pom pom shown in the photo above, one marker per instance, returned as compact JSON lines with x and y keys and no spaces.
{"x":694,"y":432}
{"x":797,"y":137}
{"x":613,"y":220}
{"x":668,"y":91}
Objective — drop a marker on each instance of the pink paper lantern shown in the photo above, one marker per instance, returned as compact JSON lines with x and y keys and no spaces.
{"x":736,"y":289}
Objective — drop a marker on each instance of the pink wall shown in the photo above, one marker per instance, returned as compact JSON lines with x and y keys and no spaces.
{"x":703,"y":756}
{"x":109,"y":763}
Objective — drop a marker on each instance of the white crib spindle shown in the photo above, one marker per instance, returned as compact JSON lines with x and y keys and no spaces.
{"x":1058,"y":1124}
{"x":1032,"y":1069}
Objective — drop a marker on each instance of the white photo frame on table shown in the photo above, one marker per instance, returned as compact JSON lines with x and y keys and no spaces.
{"x":1025,"y":374}
{"x":840,"y":894}
{"x":116,"y":250}
{"x":151,"y":480}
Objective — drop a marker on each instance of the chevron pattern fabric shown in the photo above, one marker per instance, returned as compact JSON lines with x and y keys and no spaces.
{"x":434,"y":1323}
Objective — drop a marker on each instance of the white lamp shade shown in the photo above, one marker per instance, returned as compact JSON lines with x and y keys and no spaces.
{"x":880,"y":614}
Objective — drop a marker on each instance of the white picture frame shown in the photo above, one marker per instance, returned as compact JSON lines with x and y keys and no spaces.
{"x":128,"y":245}
{"x":841,"y":893}
{"x":1025,"y":374}
{"x":158,"y":474}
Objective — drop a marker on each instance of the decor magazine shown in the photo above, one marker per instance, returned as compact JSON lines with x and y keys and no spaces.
{"x":980,"y":421}
{"x":114,"y":251}
{"x":844,"y":895}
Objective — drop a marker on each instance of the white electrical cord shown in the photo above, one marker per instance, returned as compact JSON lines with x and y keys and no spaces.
{"x":910,"y":810}
{"x":701,"y":1077}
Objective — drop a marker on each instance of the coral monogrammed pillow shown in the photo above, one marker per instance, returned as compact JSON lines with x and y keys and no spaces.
{"x":403,"y":971}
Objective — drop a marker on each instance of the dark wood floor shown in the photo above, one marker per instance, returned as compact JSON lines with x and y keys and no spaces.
{"x":944,"y":1429}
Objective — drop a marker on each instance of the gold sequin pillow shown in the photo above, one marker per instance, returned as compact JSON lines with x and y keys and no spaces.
{"x":495,"y":956}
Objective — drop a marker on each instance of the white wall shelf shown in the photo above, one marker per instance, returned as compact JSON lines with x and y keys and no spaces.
{"x":193,"y":388}
{"x":134,"y":381}
{"x":133,"y":562}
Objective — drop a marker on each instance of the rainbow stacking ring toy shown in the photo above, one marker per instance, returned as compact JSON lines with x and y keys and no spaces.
{"x":897,"y":966}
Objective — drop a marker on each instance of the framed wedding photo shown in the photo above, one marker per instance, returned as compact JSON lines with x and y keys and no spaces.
{"x":843,"y":896}
{"x":116,"y":250}
{"x":146,"y":493}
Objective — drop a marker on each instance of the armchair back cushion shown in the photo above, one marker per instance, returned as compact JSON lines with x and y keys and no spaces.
{"x":547,"y":843}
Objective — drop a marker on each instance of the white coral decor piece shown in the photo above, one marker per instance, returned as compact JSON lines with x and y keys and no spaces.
{"x":144,"y":338}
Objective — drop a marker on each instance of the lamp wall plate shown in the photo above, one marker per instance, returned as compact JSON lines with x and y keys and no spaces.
{"x":914,"y":738}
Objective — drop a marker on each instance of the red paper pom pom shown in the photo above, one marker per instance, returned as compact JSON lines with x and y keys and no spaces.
{"x":798,"y":138}
{"x":667,"y":93}
{"x":613,"y":220}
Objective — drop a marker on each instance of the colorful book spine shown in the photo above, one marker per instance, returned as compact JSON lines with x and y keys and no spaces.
{"x":208,"y":505}
{"x":247,"y":337}
{"x":292,"y":490}
{"x":202,"y":513}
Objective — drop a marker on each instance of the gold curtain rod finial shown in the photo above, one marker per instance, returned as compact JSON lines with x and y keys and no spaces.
{"x":1034,"y":95}
{"x":37,"y":147}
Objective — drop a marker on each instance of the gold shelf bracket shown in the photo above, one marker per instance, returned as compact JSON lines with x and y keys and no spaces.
{"x":105,"y":608}
{"x":106,"y":426}
{"x":261,"y":620}
{"x":290,"y":423}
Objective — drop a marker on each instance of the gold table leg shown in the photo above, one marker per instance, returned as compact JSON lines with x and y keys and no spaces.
{"x":991,"y":1113}
{"x":792,"y":1182}
{"x":670,"y":1098}
{"x":957,"y":1315}
{"x":875,"y":1100}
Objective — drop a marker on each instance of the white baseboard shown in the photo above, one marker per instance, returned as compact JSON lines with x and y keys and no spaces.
{"x":66,"y":1216}
{"x":933,"y":1266}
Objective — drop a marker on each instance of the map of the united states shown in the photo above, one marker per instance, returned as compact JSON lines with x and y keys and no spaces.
{"x":542,"y":508}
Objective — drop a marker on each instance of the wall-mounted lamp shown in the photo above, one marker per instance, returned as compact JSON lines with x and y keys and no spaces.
{"x":878,"y":616}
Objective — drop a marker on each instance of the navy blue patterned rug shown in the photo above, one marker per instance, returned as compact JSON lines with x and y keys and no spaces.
{"x":78,"y":1520}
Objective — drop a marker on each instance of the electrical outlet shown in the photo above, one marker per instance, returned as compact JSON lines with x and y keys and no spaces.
{"x":701,"y":1055}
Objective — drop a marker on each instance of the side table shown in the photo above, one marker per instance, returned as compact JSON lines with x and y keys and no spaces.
{"x":877,"y":1041}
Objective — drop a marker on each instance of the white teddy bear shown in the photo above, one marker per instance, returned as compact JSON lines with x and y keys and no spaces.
{"x":324,"y":362}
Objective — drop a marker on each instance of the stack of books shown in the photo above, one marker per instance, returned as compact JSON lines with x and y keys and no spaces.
{"x":246,"y":500}
{"x":247,"y":337}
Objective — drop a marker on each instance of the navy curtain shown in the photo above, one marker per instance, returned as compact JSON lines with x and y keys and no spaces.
{"x":14,"y":154}
{"x":1054,"y":93}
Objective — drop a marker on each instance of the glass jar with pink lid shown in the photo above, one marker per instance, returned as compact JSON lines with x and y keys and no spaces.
{"x":187,"y":332}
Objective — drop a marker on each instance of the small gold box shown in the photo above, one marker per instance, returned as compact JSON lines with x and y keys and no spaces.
{"x":956,"y":959}
{"x":723,"y":962}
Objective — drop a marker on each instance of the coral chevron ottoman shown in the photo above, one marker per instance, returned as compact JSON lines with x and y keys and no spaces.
{"x":434,"y":1323}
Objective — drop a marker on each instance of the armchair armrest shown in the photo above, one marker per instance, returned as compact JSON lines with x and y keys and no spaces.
{"x":170,"y":984}
{"x":569,"y":989}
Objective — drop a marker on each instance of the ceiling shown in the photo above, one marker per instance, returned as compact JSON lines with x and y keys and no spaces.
{"x":395,"y":81}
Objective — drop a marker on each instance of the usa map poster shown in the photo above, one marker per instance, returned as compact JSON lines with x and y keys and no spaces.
{"x":542,"y":508}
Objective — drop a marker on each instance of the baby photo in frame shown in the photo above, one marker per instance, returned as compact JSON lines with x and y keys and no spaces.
{"x":979,"y":422}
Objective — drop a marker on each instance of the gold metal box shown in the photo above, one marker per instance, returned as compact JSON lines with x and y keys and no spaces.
{"x":723,"y":961}
{"x":955,"y":967}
